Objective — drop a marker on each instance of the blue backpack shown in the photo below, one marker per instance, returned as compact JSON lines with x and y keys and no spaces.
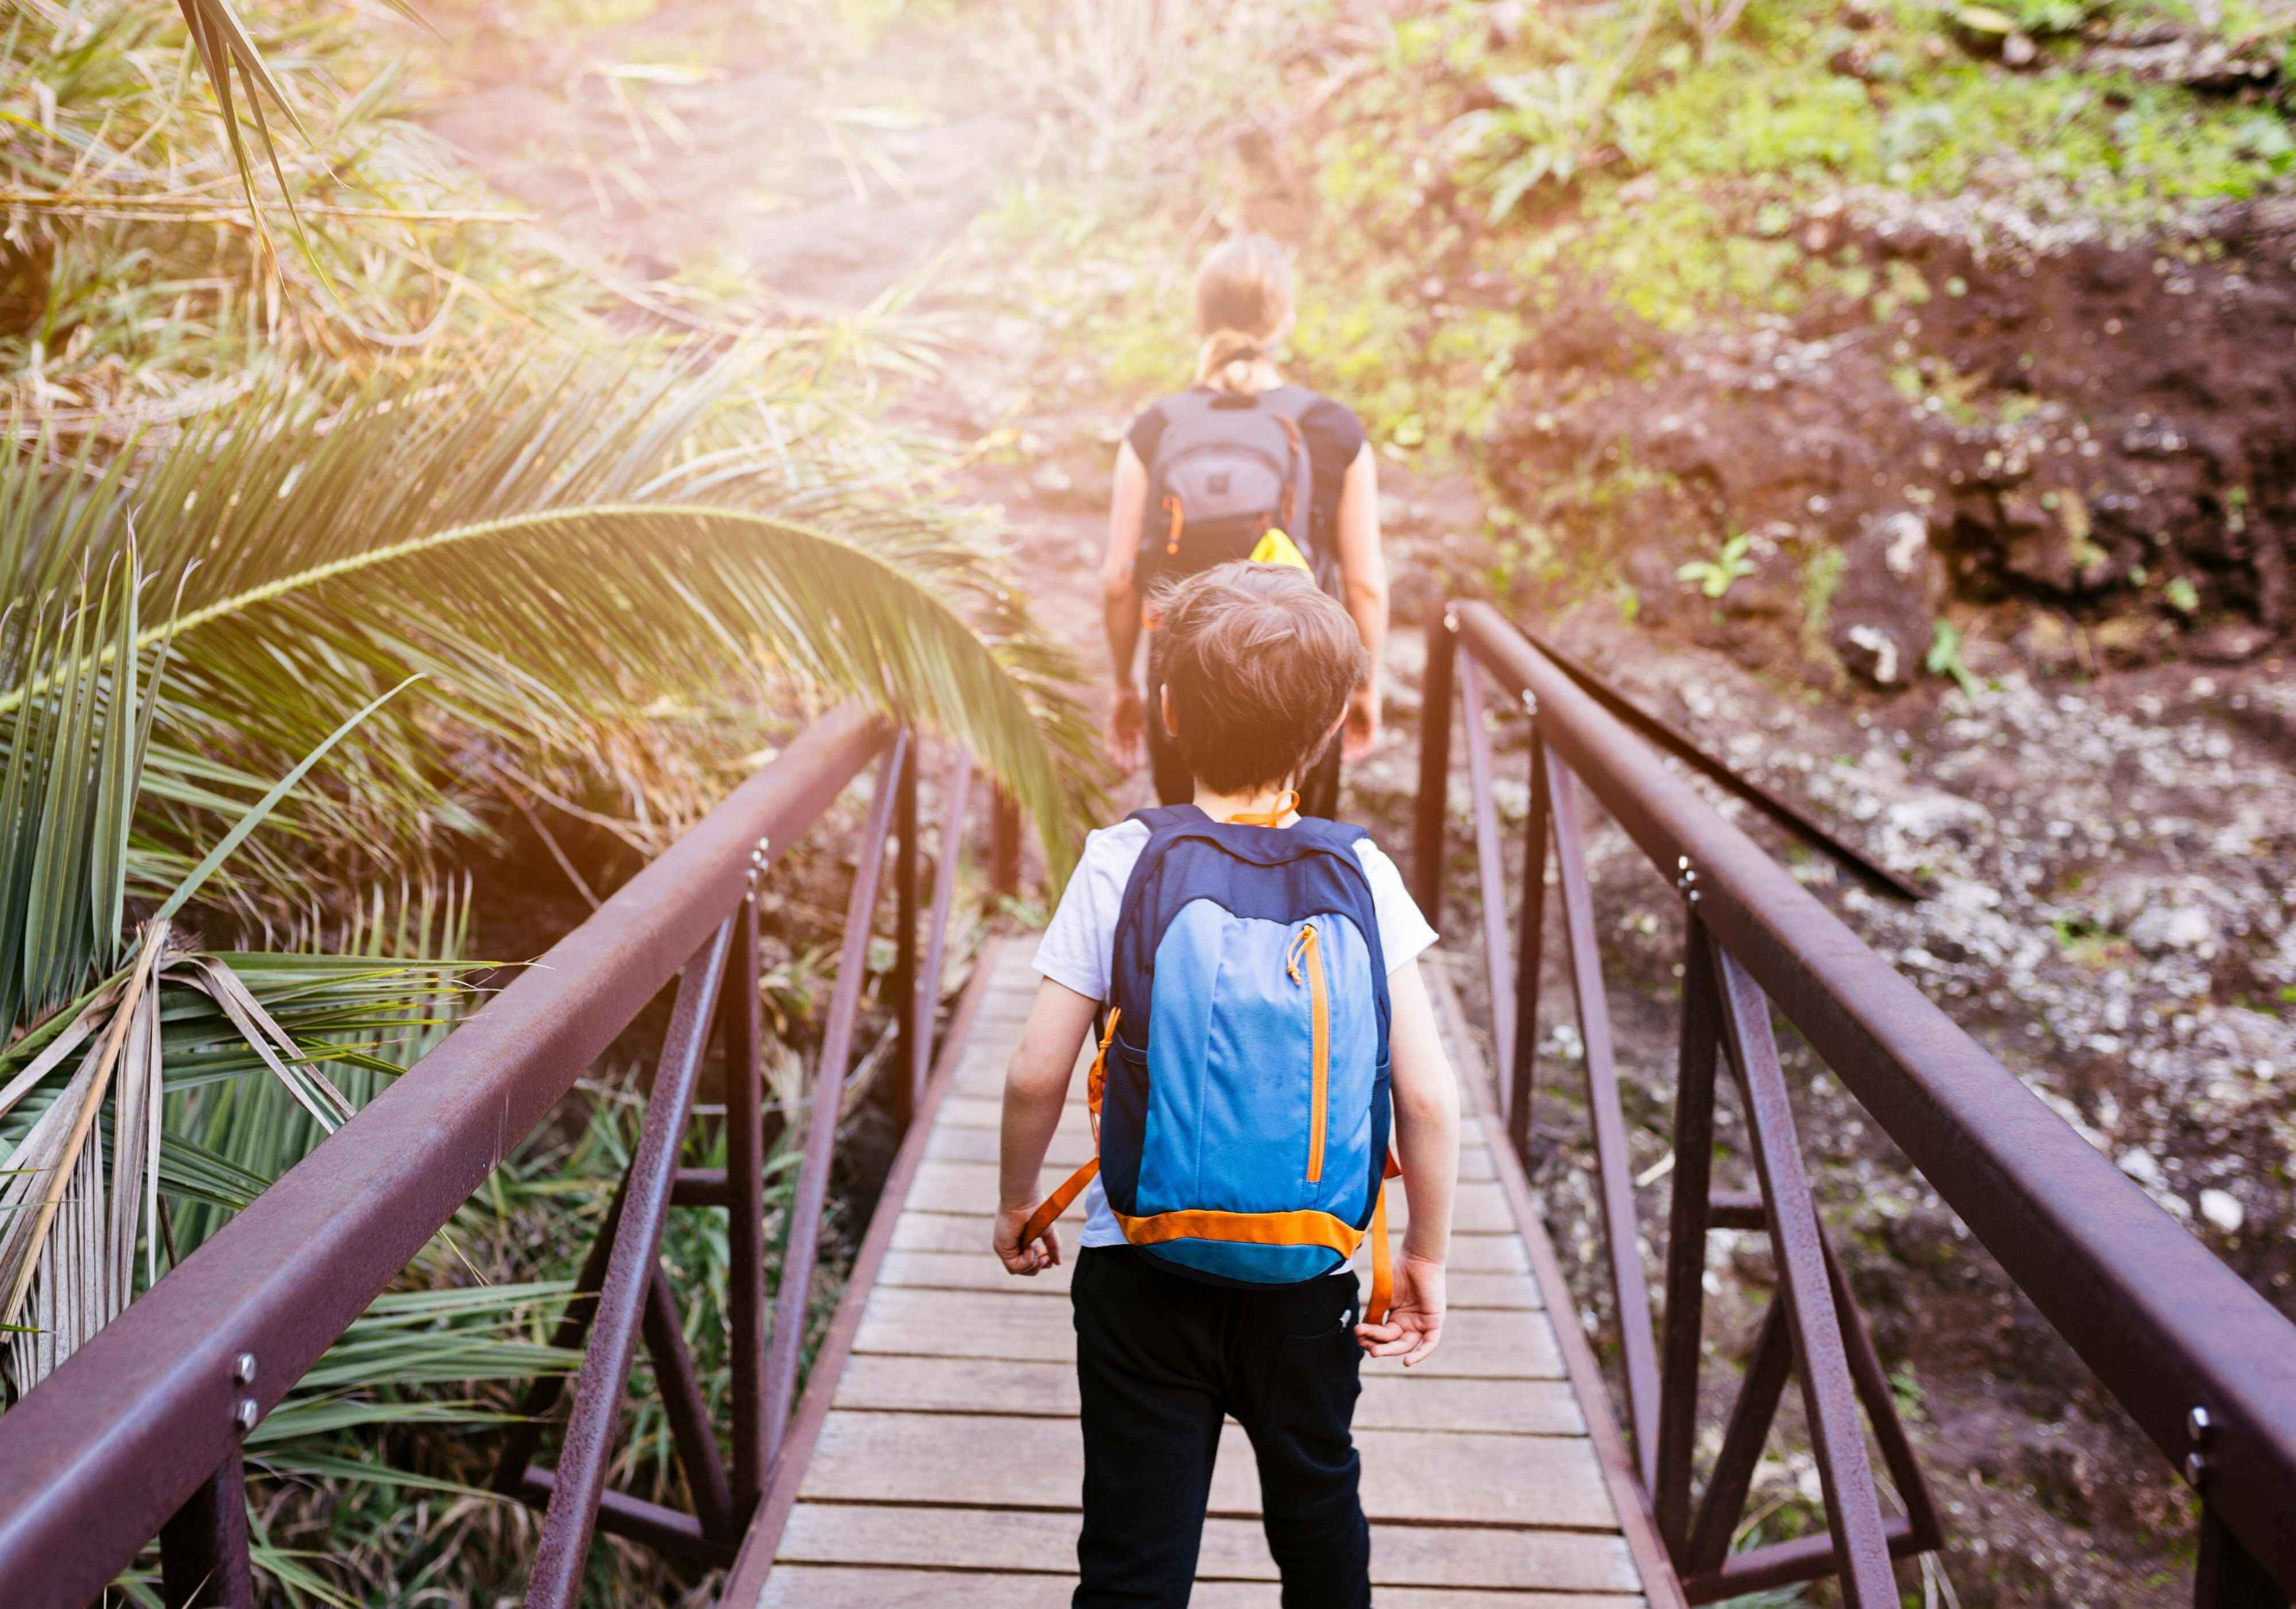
{"x":1240,"y":1099}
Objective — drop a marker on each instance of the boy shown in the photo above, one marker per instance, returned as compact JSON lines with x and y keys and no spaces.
{"x":1258,"y":666}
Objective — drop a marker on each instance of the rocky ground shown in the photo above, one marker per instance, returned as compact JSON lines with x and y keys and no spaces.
{"x":2105,"y":812}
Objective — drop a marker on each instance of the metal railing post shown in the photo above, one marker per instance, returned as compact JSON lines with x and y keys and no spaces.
{"x":1490,"y":862}
{"x":901,"y":1088}
{"x":1686,"y":1241}
{"x":2226,"y":1575}
{"x":1434,"y":763}
{"x":948,"y":854}
{"x":1614,"y":1179}
{"x":1004,"y":847}
{"x":801,"y":1249}
{"x":203,"y":1558}
{"x":740,"y":1034}
{"x":1530,"y":952}
{"x":577,"y":1486}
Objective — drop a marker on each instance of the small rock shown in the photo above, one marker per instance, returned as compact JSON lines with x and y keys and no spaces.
{"x":2019,"y":50}
{"x":2164,"y":929}
{"x":1981,"y":29}
{"x":1885,"y":611}
{"x":2127,"y":639}
{"x":2142,"y":1166}
{"x":2047,"y":641}
{"x":2222,"y":1210}
{"x":2228,"y":642}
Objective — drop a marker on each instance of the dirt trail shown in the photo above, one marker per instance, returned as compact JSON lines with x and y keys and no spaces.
{"x":2115,"y":861}
{"x":832,"y":188}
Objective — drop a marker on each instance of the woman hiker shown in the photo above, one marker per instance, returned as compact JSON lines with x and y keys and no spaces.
{"x":1242,"y":465}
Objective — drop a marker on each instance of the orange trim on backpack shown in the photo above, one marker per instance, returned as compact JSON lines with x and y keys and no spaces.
{"x":1304,"y":1228}
{"x":1308,"y":948}
{"x":1272,"y":817}
{"x":1382,"y":1265}
{"x":1172,"y":541}
{"x":1298,"y":443}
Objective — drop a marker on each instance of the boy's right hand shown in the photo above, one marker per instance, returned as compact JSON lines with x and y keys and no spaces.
{"x":1414,"y":1318}
{"x":1127,"y":731}
{"x":1032,"y":1259}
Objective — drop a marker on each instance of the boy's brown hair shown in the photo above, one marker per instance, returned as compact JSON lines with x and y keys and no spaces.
{"x":1259,"y":664}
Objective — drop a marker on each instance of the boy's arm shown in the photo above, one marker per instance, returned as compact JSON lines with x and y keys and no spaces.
{"x":1426,"y":1096}
{"x":1036,"y":1084}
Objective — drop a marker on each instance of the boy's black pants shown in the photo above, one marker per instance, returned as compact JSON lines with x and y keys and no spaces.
{"x":1161,"y":1359}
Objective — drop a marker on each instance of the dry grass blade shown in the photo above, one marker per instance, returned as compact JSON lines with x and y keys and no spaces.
{"x":58,"y":1165}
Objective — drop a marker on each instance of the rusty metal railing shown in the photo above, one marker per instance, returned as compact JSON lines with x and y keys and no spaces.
{"x":2202,"y":1364}
{"x":139,"y":1433}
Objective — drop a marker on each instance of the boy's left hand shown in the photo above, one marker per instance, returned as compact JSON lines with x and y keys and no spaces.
{"x":1415,"y":1315}
{"x":1032,"y":1259}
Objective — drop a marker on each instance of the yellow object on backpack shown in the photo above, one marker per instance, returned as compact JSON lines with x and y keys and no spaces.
{"x":1277,"y":547}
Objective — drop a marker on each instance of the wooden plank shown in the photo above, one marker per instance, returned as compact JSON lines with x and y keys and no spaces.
{"x":945,"y":1186}
{"x":955,"y":1324}
{"x":1071,"y":1145}
{"x":970,"y":1135}
{"x":1484,"y":1489}
{"x":1447,"y":1476}
{"x":1629,"y":1503}
{"x":818,"y":1587}
{"x":978,"y":1270}
{"x":753,"y":1562}
{"x":968,"y":1232}
{"x":1234,"y":1550}
{"x":969,"y":1187}
{"x":1392,"y":1399}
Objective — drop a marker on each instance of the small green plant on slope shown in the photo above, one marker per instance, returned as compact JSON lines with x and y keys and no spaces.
{"x":1552,"y":121}
{"x":1716,"y":576}
{"x":1944,"y":659}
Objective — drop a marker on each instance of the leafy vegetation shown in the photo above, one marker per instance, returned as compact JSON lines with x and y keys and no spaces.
{"x":339,"y":511}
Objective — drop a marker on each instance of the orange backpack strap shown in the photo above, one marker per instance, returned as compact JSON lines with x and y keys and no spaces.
{"x":1272,"y":817}
{"x":1057,"y":1202}
{"x":1382,"y":1265}
{"x":1060,"y":1200}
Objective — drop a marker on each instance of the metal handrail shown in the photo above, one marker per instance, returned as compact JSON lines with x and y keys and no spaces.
{"x":138,"y":1433}
{"x":2204,"y":1365}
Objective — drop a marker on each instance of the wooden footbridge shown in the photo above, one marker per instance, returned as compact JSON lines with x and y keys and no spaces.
{"x":922,"y":1451}
{"x":946,"y":1466}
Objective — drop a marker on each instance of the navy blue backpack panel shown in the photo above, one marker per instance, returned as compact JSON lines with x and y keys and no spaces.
{"x":1244,"y":1130}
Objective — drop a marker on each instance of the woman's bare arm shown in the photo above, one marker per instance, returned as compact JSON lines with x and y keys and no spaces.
{"x":1127,"y":506}
{"x":1363,"y":575}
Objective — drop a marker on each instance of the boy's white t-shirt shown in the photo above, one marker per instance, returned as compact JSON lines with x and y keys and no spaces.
{"x":1077,"y":951}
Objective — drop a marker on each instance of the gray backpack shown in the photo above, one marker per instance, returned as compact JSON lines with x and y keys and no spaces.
{"x":1229,"y":473}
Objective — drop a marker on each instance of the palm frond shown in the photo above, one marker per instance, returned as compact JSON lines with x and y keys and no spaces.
{"x":553,"y":549}
{"x":68,"y":1227}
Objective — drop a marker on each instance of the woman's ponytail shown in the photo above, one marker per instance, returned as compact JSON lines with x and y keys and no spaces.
{"x":1227,"y":359}
{"x":1243,"y":306}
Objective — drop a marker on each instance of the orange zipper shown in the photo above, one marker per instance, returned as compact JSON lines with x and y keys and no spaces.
{"x":1306,"y":947}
